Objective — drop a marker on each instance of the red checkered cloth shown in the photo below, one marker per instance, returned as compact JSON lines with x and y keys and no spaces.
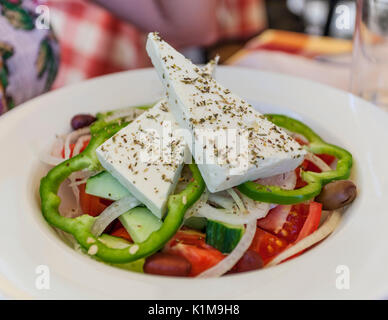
{"x":94,"y":42}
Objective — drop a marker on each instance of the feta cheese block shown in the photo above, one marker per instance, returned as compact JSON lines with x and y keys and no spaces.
{"x":230,"y":141}
{"x":147,"y":157}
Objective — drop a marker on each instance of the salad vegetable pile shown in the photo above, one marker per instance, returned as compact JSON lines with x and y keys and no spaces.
{"x":189,"y":216}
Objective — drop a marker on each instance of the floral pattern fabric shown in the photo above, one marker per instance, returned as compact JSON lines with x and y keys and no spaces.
{"x":24,"y":47}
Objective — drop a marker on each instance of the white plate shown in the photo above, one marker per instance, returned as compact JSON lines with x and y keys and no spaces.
{"x":26,"y":240}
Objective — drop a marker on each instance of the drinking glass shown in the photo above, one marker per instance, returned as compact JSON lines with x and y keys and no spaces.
{"x":369,"y":74}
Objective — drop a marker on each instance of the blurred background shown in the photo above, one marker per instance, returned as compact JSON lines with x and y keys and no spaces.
{"x":47,"y":44}
{"x":313,"y":17}
{"x":310,"y":16}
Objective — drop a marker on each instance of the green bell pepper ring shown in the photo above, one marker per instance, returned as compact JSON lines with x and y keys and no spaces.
{"x":80,"y":227}
{"x":315,"y":181}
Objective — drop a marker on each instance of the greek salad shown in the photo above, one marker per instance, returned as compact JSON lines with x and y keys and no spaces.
{"x":198,"y":184}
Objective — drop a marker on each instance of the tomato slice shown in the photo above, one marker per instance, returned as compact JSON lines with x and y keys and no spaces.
{"x":192,"y":246}
{"x":302,"y":217}
{"x":309,"y":166}
{"x":301,"y":141}
{"x":93,"y":206}
{"x":306,"y":166}
{"x":188,"y":236}
{"x":300,"y":183}
{"x":121,"y":233}
{"x":90,"y":204}
{"x":267,"y":245}
{"x":287,"y":227}
{"x":72,"y":145}
{"x":294,"y":223}
{"x":312,"y":221}
{"x":329,"y":159}
{"x":302,"y":220}
{"x":311,"y":224}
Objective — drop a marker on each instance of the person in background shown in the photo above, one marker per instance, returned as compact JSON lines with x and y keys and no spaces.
{"x":94,"y":38}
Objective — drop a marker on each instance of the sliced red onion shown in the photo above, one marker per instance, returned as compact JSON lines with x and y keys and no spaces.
{"x":238,"y":209}
{"x":81,"y":177}
{"x":321,"y":233}
{"x":230,"y":216}
{"x":73,"y":136}
{"x":56,"y":149}
{"x":53,"y":156}
{"x":78,"y":182}
{"x":50,"y":160}
{"x":299,"y":137}
{"x":257,"y":209}
{"x":192,"y":211}
{"x":67,"y":213}
{"x":282,"y":212}
{"x":285,"y":180}
{"x":229,"y":261}
{"x":322,"y":165}
{"x":73,"y":178}
{"x":238,"y":200}
{"x":80,"y":143}
{"x":222,"y":201}
{"x":115,"y":210}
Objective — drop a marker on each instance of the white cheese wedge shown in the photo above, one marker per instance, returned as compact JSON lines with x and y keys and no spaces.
{"x":149,"y":180}
{"x":230,"y":141}
{"x":147,"y":157}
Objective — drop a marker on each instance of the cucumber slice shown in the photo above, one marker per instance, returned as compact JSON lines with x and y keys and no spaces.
{"x":197,"y":223}
{"x":104,"y":185}
{"x":140,"y":223}
{"x":119,"y":243}
{"x":223,"y":236}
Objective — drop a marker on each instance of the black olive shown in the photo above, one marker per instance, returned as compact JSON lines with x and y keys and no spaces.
{"x":337,"y":194}
{"x":82,"y":120}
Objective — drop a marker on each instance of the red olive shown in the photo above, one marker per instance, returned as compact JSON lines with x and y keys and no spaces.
{"x":167,"y":264}
{"x":251,"y":260}
{"x":82,"y":120}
